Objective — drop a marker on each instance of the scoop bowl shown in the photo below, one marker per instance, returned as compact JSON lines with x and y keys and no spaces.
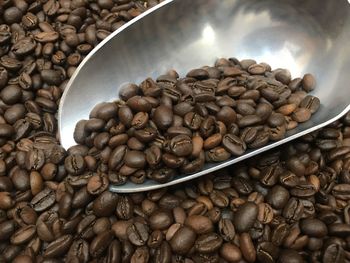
{"x":301,"y":35}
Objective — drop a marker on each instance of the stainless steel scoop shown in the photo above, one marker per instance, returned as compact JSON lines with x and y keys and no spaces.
{"x":301,"y":35}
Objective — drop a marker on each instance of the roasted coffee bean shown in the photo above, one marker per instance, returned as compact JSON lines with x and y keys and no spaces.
{"x":247,"y":247}
{"x":23,"y":235}
{"x":124,"y":208}
{"x":290,"y":256}
{"x":7,"y":228}
{"x":245,"y":216}
{"x":181,"y":145}
{"x":267,"y":252}
{"x":200,"y":224}
{"x":227,"y":115}
{"x":100,"y":243}
{"x":208,"y":243}
{"x":230,"y":252}
{"x":339,"y":229}
{"x":217,"y":154}
{"x":135,"y":159}
{"x":293,"y":210}
{"x":333,"y":253}
{"x":183,"y":240}
{"x":163,"y":117}
{"x":160,"y":220}
{"x":97,"y":184}
{"x":226,"y":229}
{"x":233,"y":144}
{"x":138,"y":234}
{"x":341,"y":191}
{"x":278,"y":197}
{"x":313,"y":227}
{"x":43,"y":200}
{"x":58,"y":247}
{"x":308,"y":82}
{"x":310,"y":102}
{"x":105,"y":204}
{"x":79,"y":249}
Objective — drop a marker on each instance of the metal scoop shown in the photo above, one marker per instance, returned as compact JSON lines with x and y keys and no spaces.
{"x":300,"y":35}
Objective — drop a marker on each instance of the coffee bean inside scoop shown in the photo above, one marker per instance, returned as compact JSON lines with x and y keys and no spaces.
{"x":217,"y":112}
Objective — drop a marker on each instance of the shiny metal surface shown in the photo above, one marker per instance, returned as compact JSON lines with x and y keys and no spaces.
{"x":301,"y":35}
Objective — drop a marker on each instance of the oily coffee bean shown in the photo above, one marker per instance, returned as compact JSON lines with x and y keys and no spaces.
{"x":308,"y":82}
{"x":247,"y":247}
{"x":59,"y":246}
{"x":278,"y":197}
{"x":200,"y":224}
{"x":7,"y":229}
{"x":23,"y":235}
{"x":226,"y":229}
{"x":43,"y":200}
{"x":233,"y":144}
{"x":230,"y":252}
{"x":183,"y":240}
{"x":100,"y":243}
{"x":245,"y":217}
{"x":208,"y":243}
{"x":313,"y":227}
{"x":310,"y":102}
{"x":137,"y":234}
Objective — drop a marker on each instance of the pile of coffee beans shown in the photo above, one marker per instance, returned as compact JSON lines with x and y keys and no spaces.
{"x":289,"y":205}
{"x":173,"y":125}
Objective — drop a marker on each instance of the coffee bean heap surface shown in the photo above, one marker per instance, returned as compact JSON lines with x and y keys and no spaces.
{"x":288,"y":205}
{"x":173,"y":126}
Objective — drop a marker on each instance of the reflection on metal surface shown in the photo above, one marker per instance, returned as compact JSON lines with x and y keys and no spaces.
{"x":301,"y":35}
{"x":208,"y":35}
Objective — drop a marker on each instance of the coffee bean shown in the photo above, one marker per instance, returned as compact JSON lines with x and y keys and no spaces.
{"x":6,"y":130}
{"x":200,"y":224}
{"x":97,"y":184}
{"x":313,"y":227}
{"x":74,"y":164}
{"x":339,"y":229}
{"x":290,"y":256}
{"x":230,"y":252}
{"x":124,"y":208}
{"x":183,"y":240}
{"x":301,"y":115}
{"x":245,"y":217}
{"x":100,"y":243}
{"x":308,"y":82}
{"x":43,"y":200}
{"x":310,"y":102}
{"x":208,"y":243}
{"x":233,"y":144}
{"x":138,"y":234}
{"x":12,"y":15}
{"x":163,"y":117}
{"x":293,"y":210}
{"x":135,"y":159}
{"x":59,"y":246}
{"x":23,"y":235}
{"x":247,"y":247}
{"x":277,"y":197}
{"x":333,"y":253}
{"x":267,"y":252}
{"x":7,"y":228}
{"x":160,"y":220}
